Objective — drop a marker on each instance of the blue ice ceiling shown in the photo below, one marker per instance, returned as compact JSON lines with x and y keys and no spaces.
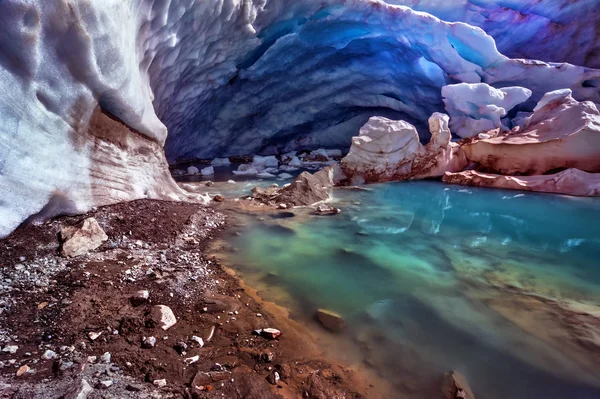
{"x":311,"y":76}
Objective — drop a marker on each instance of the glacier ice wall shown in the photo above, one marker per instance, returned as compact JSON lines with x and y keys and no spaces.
{"x":549,"y":30}
{"x":225,"y":77}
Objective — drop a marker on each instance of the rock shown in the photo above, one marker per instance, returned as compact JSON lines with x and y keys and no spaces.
{"x":209,"y":183}
{"x":148,"y":342}
{"x":105,"y":358}
{"x":218,"y":198}
{"x":199,"y":341}
{"x":105,"y":384}
{"x":389,"y":150}
{"x":203,"y":378}
{"x":270,"y":333}
{"x":330,"y":320}
{"x":327,"y":210}
{"x":160,"y":383}
{"x":478,"y":107}
{"x":134,"y":388}
{"x":308,"y":189}
{"x":79,"y":390}
{"x":455,"y":386}
{"x":22,"y":370}
{"x":140,"y":297}
{"x":49,"y":355}
{"x":209,"y":171}
{"x":282,"y":206}
{"x":273,"y":377}
{"x":192,"y":170}
{"x":81,"y":239}
{"x":12,"y":349}
{"x":267,"y":356}
{"x":92,"y":359}
{"x":66,"y":366}
{"x":163,"y":316}
{"x":561,"y":134}
{"x":570,"y":182}
{"x":231,"y":181}
{"x":94,"y":335}
{"x":180,"y":347}
{"x":191,"y":360}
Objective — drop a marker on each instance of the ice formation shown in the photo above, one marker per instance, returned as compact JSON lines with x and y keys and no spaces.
{"x":542,"y":30}
{"x":477,"y":108}
{"x":225,"y":77}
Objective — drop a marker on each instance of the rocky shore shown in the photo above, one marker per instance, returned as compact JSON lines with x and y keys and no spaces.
{"x":125,"y":302}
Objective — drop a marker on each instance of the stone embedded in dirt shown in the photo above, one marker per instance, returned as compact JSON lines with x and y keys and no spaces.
{"x":330,"y":320}
{"x":105,"y":358}
{"x":22,"y":370}
{"x":92,"y":359}
{"x":282,"y":206}
{"x":181,"y":347}
{"x":160,"y":383}
{"x":455,"y":386}
{"x":10,"y":349}
{"x":267,"y":356}
{"x":105,"y":384}
{"x":203,"y":378}
{"x":94,"y":335}
{"x":163,"y":316}
{"x":48,"y":355}
{"x":191,"y":360}
{"x":148,"y":342}
{"x":134,"y":388}
{"x":273,"y":378}
{"x":81,"y":239}
{"x":210,"y":334}
{"x":199,"y":341}
{"x":140,"y":297}
{"x":218,"y":198}
{"x":79,"y":390}
{"x":270,"y":333}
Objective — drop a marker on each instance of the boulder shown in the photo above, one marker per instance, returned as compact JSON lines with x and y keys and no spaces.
{"x":561,"y":134}
{"x":455,"y":386}
{"x":330,"y":320}
{"x":308,"y":189}
{"x":388,"y":150}
{"x":163,"y":316}
{"x":140,"y":297}
{"x":270,"y":333}
{"x":81,"y":239}
{"x":192,"y":170}
{"x":570,"y":182}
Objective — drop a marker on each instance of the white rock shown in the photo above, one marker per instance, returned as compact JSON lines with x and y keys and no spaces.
{"x":163,"y":316}
{"x":94,"y":335}
{"x":105,"y":358}
{"x":160,"y":383}
{"x":191,"y":360}
{"x":199,"y":341}
{"x":209,"y":171}
{"x":105,"y":384}
{"x":48,"y":355}
{"x":231,"y":181}
{"x":10,"y":349}
{"x":192,"y":170}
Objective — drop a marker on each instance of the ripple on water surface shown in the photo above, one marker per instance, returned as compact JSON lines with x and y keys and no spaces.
{"x":432,"y":278}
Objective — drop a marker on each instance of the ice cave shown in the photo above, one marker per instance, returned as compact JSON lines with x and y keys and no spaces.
{"x":351,"y":146}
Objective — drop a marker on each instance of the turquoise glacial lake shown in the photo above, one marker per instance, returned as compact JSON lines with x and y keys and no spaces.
{"x":502,"y":286}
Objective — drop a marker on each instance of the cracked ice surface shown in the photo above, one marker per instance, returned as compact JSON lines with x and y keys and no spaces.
{"x":225,"y":77}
